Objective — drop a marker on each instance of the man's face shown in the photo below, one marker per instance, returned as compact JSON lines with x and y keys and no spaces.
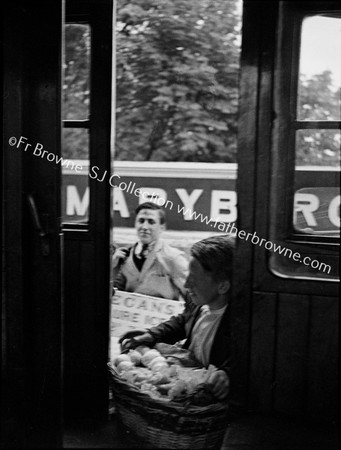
{"x":202,"y":288}
{"x":148,"y":226}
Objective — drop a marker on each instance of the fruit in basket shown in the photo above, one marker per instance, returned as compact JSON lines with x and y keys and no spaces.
{"x":160,"y":378}
{"x":141,"y":375}
{"x":164,"y":388}
{"x":157,"y":360}
{"x":135,"y":357}
{"x":167,"y":377}
{"x":142,"y":349}
{"x":177,"y":389}
{"x":159,"y":367}
{"x":148,"y":357}
{"x":121,"y":358}
{"x":125,"y":365}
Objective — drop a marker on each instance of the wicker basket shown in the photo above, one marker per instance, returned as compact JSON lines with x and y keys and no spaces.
{"x":171,"y":425}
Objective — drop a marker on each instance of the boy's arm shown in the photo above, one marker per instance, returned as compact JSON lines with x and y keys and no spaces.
{"x":169,"y":332}
{"x":172,"y":330}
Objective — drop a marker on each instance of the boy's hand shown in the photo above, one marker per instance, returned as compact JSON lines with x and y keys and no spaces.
{"x":134,"y":338}
{"x":219,"y":384}
{"x":119,"y":256}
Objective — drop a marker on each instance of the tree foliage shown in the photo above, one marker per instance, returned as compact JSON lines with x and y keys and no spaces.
{"x":318,"y":101}
{"x":177,"y":73}
{"x":76,"y":89}
{"x":177,"y":80}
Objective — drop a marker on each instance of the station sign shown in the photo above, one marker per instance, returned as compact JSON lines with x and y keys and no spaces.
{"x":195,"y":195}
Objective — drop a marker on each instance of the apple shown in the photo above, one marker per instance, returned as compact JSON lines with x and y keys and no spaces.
{"x":121,"y":358}
{"x":125,"y":365}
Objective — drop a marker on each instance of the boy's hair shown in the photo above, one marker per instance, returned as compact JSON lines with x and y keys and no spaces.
{"x":153,"y":206}
{"x":215,"y":254}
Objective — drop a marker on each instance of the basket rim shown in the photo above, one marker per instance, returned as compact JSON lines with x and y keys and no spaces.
{"x":165,"y":404}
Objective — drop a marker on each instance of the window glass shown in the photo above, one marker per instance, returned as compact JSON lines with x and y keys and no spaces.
{"x":76,"y":112}
{"x":317,"y":136}
{"x":76,"y":88}
{"x":76,"y":143}
{"x":318,"y":147}
{"x":320,"y":69}
{"x":75,"y":175}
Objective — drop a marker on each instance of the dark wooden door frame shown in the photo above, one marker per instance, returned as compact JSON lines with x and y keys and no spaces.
{"x":87,"y":246}
{"x":32,"y":288}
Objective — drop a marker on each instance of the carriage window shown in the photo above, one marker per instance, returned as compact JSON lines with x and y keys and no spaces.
{"x":307,"y":143}
{"x":76,"y":112}
{"x":317,"y":136}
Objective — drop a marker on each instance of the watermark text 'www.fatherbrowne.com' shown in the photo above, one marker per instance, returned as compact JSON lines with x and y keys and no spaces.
{"x":230,"y":228}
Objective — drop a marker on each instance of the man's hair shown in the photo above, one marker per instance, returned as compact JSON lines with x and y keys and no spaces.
{"x":153,"y":206}
{"x":215,"y":254}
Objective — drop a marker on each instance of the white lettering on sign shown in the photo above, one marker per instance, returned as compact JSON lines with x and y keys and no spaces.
{"x":306,"y":204}
{"x":224,"y":201}
{"x":134,"y":311}
{"x":120,"y":203}
{"x":74,"y":204}
{"x":334,"y":211}
{"x":188,"y":201}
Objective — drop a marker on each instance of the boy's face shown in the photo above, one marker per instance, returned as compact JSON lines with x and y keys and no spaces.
{"x":203,"y":289}
{"x":148,"y":226}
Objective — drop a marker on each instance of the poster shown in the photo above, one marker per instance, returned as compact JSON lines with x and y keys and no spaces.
{"x":130,"y":311}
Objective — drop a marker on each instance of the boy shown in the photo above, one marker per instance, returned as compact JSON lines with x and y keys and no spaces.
{"x":205,"y":322}
{"x":151,"y":266}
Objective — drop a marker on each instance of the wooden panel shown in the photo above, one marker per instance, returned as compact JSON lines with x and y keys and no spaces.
{"x":291,"y":354}
{"x":79,"y":325}
{"x":323,"y":354}
{"x":263,"y":334}
{"x":86,"y":332}
{"x":72,"y":311}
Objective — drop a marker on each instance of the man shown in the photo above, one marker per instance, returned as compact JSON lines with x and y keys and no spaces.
{"x":151,"y":266}
{"x":205,"y":322}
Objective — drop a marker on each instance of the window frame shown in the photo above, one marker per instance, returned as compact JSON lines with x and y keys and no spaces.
{"x":285,"y":125}
{"x":86,"y":253}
